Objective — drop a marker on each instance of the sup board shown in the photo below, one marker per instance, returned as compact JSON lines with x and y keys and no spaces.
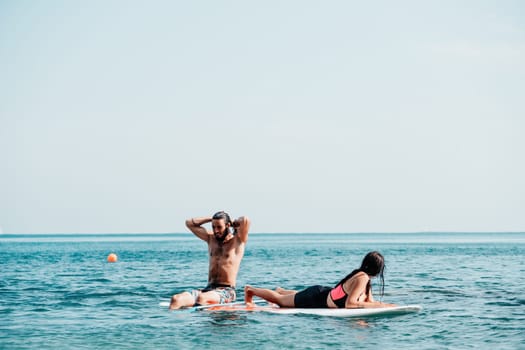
{"x":364,"y":312}
{"x":204,"y":307}
{"x":271,"y":308}
{"x":381,"y":311}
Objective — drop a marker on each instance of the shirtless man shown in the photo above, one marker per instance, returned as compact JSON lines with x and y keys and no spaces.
{"x":226,"y":242}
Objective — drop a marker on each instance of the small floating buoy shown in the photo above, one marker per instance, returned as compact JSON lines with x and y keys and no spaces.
{"x":112,"y":258}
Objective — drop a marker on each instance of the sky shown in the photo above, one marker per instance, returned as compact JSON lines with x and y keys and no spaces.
{"x":305,"y":116}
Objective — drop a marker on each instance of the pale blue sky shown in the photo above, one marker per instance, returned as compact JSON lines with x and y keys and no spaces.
{"x":307,"y":116}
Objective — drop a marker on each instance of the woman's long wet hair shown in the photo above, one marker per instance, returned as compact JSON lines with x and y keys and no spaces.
{"x":373,"y":265}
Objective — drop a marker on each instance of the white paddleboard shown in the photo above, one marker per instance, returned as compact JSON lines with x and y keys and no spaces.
{"x":383,"y":311}
{"x":396,"y":310}
{"x":204,"y":307}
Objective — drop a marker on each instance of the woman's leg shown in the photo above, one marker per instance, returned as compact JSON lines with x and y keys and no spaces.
{"x":286,"y":300}
{"x":283,"y":291}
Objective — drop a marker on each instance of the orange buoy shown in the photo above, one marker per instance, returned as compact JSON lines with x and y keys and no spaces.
{"x":112,"y":258}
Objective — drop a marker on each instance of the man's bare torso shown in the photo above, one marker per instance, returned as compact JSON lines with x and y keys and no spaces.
{"x":225,"y":260}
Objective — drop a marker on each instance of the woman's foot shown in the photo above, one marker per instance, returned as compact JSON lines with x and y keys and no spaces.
{"x":248,"y":295}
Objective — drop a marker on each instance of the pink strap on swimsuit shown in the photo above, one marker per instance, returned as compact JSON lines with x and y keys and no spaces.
{"x":337,"y":292}
{"x":339,"y":296}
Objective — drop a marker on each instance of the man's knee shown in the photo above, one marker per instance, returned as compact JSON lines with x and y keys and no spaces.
{"x":182,"y":298}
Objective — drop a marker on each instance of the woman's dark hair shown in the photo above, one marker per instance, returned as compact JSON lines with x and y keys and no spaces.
{"x":373,"y":265}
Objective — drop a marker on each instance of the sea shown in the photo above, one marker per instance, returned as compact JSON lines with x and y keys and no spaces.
{"x":59,"y":292}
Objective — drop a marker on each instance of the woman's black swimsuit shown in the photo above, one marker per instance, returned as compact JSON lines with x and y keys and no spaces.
{"x":313,"y":297}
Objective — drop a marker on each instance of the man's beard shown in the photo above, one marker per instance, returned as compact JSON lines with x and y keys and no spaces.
{"x":223,"y":236}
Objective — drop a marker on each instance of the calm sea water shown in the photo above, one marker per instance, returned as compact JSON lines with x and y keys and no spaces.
{"x":58,"y":291}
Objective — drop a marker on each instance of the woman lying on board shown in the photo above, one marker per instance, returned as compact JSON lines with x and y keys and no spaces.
{"x":353,"y":291}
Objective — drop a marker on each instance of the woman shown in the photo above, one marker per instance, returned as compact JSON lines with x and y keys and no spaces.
{"x":353,"y":291}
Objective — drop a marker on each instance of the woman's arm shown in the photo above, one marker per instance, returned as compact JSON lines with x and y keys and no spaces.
{"x":357,"y":287}
{"x":369,"y":296}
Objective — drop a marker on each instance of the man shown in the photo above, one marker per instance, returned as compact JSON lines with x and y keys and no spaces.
{"x":226,"y":242}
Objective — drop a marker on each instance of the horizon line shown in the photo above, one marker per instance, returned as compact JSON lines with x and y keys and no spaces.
{"x":257,"y":233}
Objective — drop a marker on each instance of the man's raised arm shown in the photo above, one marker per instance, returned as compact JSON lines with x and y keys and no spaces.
{"x":242,"y":225}
{"x":194,"y":225}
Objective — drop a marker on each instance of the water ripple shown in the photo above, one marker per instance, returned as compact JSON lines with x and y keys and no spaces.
{"x":65,"y":295}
